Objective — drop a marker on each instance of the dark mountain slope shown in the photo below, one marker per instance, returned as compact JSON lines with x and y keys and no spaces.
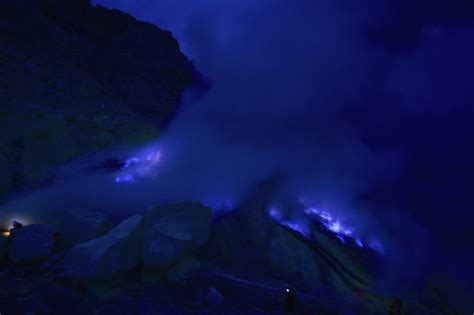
{"x":75,"y":78}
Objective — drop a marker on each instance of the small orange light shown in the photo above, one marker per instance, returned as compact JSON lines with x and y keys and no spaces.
{"x":5,"y":233}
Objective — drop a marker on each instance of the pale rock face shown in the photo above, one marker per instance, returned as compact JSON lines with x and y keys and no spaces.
{"x":109,"y":255}
{"x":172,"y":230}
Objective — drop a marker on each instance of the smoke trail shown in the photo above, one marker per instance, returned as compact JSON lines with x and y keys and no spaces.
{"x":284,"y":74}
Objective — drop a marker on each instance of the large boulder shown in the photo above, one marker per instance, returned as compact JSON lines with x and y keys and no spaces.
{"x":172,"y":230}
{"x":79,"y":226}
{"x":31,"y":243}
{"x":238,"y":243}
{"x":183,"y":269}
{"x":214,"y":298}
{"x":249,"y":239}
{"x":239,"y":240}
{"x":109,"y":255}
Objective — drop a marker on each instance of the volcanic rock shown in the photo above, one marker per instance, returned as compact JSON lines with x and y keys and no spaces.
{"x":183,"y":268}
{"x":239,"y":240}
{"x":214,"y":297}
{"x":109,"y":255}
{"x":291,"y":260}
{"x":172,"y":230}
{"x":79,"y":226}
{"x":249,"y":240}
{"x":31,"y":243}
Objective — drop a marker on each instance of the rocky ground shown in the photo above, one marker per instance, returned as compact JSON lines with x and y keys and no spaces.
{"x":152,"y":264}
{"x":174,"y":259}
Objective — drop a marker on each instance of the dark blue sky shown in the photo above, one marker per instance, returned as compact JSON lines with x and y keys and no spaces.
{"x":364,"y":106}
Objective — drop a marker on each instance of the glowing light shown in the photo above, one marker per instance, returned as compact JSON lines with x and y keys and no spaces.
{"x":330,"y":222}
{"x":295,"y":227}
{"x":274,"y":213}
{"x":334,"y":227}
{"x":6,"y":233}
{"x":130,"y":162}
{"x":125,"y":179}
{"x":143,"y":165}
{"x":298,"y":227}
{"x":16,"y":221}
{"x":287,"y":290}
{"x":342,"y":232}
{"x":375,"y":245}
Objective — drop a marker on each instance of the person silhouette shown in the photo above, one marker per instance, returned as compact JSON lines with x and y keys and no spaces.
{"x":17,"y":225}
{"x":290,"y":301}
{"x":395,"y":307}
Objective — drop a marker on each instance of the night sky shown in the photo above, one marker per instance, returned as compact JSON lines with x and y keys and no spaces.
{"x":363,"y":107}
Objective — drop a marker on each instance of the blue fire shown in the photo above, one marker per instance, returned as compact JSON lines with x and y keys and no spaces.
{"x":143,"y":165}
{"x":377,"y":246}
{"x":127,"y":178}
{"x":344,"y":233}
{"x":330,"y":222}
{"x":295,"y":226}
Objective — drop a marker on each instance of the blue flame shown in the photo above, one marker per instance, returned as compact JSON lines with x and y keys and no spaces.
{"x":298,"y":227}
{"x":330,"y":222}
{"x":143,"y":165}
{"x":344,"y":233}
{"x":129,"y":162}
{"x":128,"y":178}
{"x":376,"y":246}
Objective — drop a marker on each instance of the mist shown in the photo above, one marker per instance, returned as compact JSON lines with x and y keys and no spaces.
{"x":285,"y":76}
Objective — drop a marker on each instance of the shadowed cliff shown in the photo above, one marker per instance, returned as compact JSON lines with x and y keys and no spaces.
{"x":75,"y":78}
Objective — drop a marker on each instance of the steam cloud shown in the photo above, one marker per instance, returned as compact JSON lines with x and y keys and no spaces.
{"x":287,"y":75}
